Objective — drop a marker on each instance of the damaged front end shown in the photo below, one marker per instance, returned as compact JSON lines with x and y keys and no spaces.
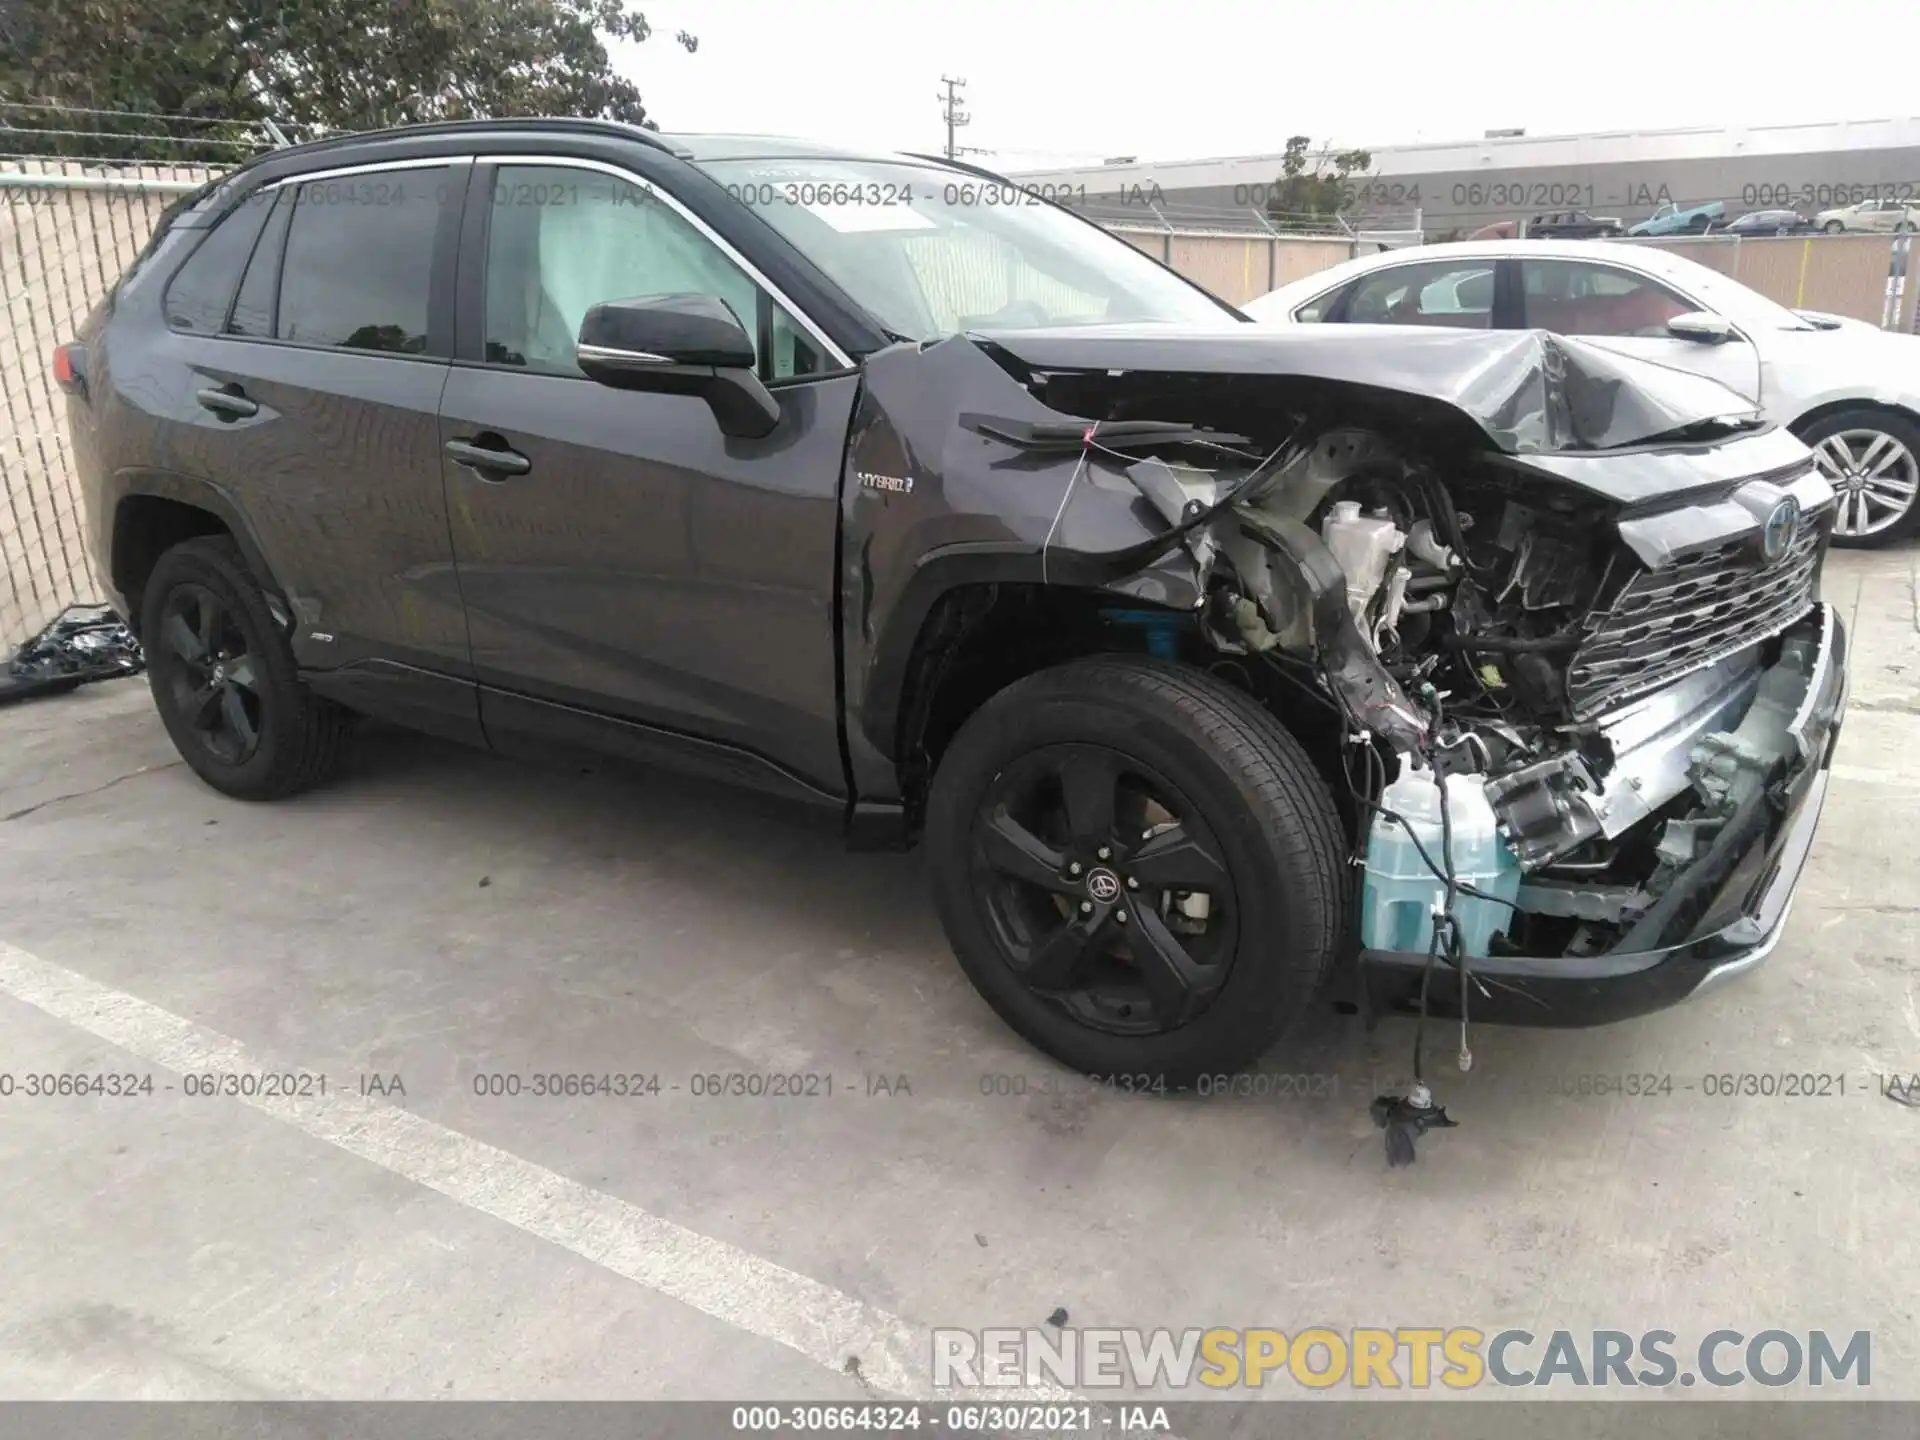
{"x":1562,"y":617}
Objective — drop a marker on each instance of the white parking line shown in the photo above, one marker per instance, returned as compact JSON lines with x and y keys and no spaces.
{"x":717,"y":1279}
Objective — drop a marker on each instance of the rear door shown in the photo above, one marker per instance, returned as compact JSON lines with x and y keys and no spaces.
{"x":312,"y":395}
{"x":1627,"y":311}
{"x":627,"y":565}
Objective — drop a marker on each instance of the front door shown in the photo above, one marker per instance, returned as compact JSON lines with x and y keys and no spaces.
{"x":624,"y":559}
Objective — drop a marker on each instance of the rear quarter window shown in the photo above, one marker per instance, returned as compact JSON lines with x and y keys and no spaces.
{"x":201,"y":291}
{"x":253,"y":306}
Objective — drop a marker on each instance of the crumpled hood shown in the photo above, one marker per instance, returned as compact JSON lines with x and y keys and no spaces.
{"x":1531,"y":391}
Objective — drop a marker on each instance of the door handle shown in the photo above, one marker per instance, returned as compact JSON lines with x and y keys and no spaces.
{"x":484,"y":458}
{"x":227,"y":401}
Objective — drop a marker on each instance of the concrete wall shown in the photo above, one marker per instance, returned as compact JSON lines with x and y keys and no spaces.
{"x":1239,"y":267}
{"x":1842,"y":274}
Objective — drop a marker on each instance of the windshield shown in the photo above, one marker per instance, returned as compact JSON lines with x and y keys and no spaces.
{"x":929,"y":252}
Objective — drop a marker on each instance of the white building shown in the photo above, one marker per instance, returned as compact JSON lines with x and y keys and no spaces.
{"x":1466,"y":184}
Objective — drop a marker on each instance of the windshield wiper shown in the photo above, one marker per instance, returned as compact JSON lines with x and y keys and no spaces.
{"x":1065,"y":437}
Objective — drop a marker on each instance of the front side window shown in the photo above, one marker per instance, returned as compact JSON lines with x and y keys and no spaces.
{"x":561,"y":240}
{"x":1457,"y":294}
{"x":202,"y":290}
{"x":928,"y":251}
{"x":1576,"y":297}
{"x":359,"y":260}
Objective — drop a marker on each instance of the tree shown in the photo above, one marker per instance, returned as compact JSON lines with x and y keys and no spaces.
{"x":1313,"y":188}
{"x":318,"y":64}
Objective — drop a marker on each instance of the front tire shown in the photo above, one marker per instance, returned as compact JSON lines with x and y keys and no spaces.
{"x":1138,"y":868}
{"x":1871,"y":457}
{"x":1834,"y":227}
{"x":224,"y":679}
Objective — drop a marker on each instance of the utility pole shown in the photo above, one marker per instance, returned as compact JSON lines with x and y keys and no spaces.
{"x":955,"y":117}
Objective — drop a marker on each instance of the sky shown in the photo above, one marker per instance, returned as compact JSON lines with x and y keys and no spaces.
{"x":1070,"y":82}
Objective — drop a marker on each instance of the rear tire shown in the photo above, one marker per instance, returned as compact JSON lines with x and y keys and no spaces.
{"x":224,"y":678}
{"x":1871,"y":457}
{"x":1238,"y":815}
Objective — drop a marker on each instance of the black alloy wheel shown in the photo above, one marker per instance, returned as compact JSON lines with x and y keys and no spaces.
{"x":1139,"y":868}
{"x":224,"y":677}
{"x":1106,"y":888}
{"x":211,"y":680}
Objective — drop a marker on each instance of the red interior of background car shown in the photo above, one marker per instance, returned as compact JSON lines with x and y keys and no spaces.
{"x":1642,"y":310}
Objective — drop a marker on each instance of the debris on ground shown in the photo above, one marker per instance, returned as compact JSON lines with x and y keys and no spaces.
{"x":84,"y":643}
{"x":1405,"y":1118}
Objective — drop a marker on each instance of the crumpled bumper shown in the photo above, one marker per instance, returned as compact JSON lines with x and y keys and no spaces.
{"x":1743,"y":919}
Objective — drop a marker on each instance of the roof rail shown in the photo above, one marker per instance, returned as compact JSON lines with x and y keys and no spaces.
{"x":457,"y":127}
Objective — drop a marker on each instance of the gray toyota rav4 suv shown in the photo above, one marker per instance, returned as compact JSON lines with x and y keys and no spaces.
{"x":1218,"y":667}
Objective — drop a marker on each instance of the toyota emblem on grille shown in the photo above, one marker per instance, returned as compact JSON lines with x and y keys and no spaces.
{"x":1102,"y":884}
{"x":1777,"y":535}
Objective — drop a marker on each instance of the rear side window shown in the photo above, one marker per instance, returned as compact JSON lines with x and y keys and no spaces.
{"x":203,"y":288}
{"x":359,"y":260}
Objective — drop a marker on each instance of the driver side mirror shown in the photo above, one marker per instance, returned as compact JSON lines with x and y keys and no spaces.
{"x":1701,"y":327}
{"x":679,"y":345}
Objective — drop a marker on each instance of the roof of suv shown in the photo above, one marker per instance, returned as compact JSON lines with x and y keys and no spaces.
{"x":698,"y":148}
{"x":693,"y":147}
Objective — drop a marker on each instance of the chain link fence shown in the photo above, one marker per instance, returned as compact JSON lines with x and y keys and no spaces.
{"x":80,"y":192}
{"x":67,"y":230}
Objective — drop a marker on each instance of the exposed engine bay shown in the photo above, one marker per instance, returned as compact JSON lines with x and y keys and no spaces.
{"x":1555,"y":709}
{"x":1541,"y":620}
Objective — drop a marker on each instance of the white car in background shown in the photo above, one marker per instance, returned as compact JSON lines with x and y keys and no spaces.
{"x":1879,"y":217}
{"x":1848,"y":389}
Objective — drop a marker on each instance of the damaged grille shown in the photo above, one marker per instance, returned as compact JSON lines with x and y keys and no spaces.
{"x":1665,"y":623}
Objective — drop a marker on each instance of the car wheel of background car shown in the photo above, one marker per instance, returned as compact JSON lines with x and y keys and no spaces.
{"x":1905,"y":227}
{"x":1871,"y":458}
{"x":1138,"y":867}
{"x":224,"y":680}
{"x":1834,"y":227}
